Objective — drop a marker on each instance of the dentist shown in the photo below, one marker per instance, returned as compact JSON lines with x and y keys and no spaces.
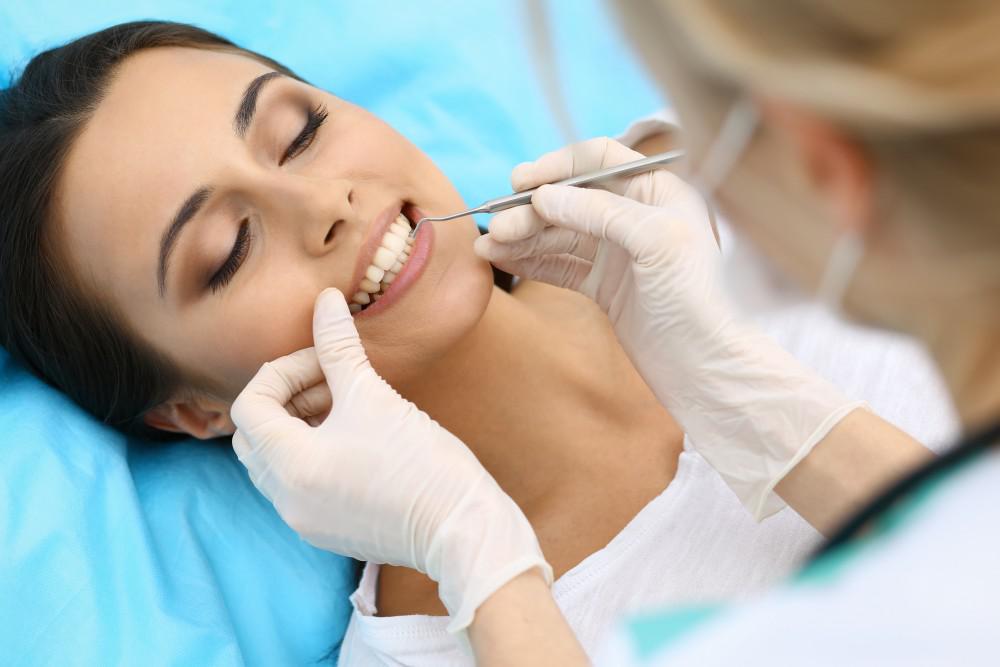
{"x":857,"y":145}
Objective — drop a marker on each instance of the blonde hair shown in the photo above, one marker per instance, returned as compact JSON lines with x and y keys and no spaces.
{"x":916,"y":81}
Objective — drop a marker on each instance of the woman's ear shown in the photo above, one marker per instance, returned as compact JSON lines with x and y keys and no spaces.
{"x":835,"y":164}
{"x":203,"y":418}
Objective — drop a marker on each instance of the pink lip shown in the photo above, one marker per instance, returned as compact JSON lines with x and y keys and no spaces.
{"x":411,"y":270}
{"x":376,"y":230}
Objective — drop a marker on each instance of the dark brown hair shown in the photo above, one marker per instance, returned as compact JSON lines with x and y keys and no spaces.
{"x":71,"y":339}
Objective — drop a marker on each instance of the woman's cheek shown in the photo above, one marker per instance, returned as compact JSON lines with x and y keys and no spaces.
{"x":259,"y":332}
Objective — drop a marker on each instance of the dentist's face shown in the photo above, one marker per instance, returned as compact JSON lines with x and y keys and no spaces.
{"x":279,"y":204}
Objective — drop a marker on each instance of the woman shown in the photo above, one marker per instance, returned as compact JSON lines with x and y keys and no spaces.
{"x":194,"y":200}
{"x":877,"y":126}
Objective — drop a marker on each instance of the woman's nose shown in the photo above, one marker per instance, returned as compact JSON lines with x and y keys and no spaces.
{"x":325,"y":233}
{"x":327,"y":209}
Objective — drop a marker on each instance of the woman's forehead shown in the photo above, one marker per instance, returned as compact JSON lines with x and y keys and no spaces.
{"x":165,"y":119}
{"x":165,"y":110}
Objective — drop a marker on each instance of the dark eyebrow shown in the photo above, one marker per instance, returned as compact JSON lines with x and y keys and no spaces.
{"x":187,"y":211}
{"x":241,"y":123}
{"x":248,"y":105}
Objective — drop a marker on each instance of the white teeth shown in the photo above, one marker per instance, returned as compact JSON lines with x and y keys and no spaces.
{"x":387,"y":262}
{"x":384,"y":258}
{"x":393,"y":242}
{"x":374,"y":274}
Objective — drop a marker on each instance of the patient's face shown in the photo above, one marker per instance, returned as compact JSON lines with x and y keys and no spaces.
{"x":281,"y":217}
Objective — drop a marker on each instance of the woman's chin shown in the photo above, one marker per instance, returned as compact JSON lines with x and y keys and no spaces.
{"x":437,"y":311}
{"x":455,"y":301}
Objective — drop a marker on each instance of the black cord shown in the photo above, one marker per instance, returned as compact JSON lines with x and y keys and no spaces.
{"x":969,"y":448}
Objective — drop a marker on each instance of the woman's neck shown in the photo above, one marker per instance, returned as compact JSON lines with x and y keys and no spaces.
{"x":538,"y":389}
{"x":545,"y":397}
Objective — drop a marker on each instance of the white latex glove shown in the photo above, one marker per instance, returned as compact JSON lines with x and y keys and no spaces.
{"x":378,"y":479}
{"x":646,"y":253}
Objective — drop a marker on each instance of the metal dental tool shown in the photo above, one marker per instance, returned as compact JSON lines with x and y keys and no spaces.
{"x":582,"y":180}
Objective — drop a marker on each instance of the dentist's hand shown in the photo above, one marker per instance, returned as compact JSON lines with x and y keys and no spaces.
{"x":645,"y":251}
{"x":378,"y":479}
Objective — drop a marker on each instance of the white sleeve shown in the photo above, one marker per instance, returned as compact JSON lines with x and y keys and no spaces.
{"x":927,"y":592}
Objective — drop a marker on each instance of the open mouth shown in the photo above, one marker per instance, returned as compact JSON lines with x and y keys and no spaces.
{"x":390,"y":257}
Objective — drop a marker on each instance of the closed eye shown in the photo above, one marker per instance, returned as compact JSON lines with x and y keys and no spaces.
{"x":241,"y":248}
{"x":315,"y":117}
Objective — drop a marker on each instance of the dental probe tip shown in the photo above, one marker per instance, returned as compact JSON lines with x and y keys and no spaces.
{"x":453,"y":216}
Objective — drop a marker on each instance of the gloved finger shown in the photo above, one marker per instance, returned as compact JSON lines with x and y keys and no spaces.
{"x":579,"y":158}
{"x":262,"y":402}
{"x":515,"y":224}
{"x":338,"y":346}
{"x":271,"y":461}
{"x":559,"y":270}
{"x":264,"y":427}
{"x":597,"y":213}
{"x":313,"y":403}
{"x":550,"y":241}
{"x":257,"y":466}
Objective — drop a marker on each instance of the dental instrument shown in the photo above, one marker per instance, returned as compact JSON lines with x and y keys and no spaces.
{"x":581,"y":180}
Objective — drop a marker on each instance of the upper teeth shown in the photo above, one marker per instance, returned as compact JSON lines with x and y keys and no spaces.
{"x":388,"y":261}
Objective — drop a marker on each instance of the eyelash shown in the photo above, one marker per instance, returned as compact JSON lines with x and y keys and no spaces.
{"x":315,"y":117}
{"x":239,"y":252}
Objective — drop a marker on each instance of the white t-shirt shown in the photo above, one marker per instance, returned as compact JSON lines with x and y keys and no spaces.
{"x":694,"y":542}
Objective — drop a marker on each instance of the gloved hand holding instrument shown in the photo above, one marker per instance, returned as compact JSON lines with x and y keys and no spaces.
{"x":643,"y":248}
